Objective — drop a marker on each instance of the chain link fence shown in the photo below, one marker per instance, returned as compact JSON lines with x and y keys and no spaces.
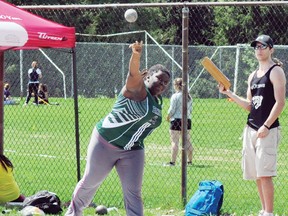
{"x":40,"y":140}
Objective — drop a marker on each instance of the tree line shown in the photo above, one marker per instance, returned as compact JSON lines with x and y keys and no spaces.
{"x":212,"y":25}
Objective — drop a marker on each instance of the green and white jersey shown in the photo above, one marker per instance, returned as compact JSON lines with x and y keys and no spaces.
{"x":129,"y":122}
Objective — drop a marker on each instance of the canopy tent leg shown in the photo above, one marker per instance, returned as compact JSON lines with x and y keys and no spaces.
{"x":1,"y":102}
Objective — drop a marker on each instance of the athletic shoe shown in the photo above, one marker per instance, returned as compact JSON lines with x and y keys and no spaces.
{"x":170,"y":164}
{"x":189,"y":163}
{"x":261,"y":212}
{"x":267,"y":214}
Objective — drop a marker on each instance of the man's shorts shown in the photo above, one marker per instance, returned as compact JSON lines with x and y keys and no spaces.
{"x":259,"y":155}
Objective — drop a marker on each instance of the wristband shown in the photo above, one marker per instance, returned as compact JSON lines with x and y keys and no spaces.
{"x":266,"y":126}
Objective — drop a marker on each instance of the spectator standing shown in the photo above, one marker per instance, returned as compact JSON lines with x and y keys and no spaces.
{"x":34,"y":74}
{"x":175,"y":118}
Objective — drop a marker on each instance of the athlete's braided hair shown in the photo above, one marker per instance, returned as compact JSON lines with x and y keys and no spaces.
{"x":154,"y":69}
{"x":5,"y":162}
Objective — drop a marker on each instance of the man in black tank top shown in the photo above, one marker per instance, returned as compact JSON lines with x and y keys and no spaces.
{"x":265,"y":101}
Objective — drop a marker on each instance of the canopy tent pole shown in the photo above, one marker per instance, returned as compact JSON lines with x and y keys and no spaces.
{"x":21,"y":74}
{"x":1,"y":102}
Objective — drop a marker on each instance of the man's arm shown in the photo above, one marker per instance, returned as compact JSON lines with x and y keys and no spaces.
{"x":278,"y":80}
{"x":242,"y":102}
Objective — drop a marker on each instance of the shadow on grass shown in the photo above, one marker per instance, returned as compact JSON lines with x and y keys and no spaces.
{"x":200,"y":166}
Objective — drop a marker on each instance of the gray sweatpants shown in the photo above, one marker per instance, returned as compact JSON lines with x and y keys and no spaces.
{"x":101,"y":158}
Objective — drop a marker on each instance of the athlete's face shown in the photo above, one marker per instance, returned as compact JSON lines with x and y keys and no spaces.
{"x":263,"y":52}
{"x":34,"y":64}
{"x":157,"y":82}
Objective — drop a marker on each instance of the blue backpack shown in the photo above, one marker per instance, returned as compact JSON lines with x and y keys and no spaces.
{"x":207,"y":200}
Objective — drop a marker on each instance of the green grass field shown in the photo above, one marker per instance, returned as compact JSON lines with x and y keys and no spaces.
{"x":40,"y":141}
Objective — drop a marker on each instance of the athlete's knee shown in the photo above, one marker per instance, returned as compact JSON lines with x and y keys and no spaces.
{"x":175,"y":147}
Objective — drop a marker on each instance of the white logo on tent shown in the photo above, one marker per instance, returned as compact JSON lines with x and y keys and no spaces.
{"x":7,"y":17}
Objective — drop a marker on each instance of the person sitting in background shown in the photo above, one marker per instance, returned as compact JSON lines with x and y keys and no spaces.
{"x":7,"y":95}
{"x":9,"y":189}
{"x":43,"y":94}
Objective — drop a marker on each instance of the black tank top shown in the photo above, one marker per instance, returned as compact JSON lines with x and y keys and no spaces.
{"x":34,"y":76}
{"x":263,"y":100}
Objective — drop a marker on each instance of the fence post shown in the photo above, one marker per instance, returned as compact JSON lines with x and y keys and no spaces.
{"x":185,"y":28}
{"x":76,"y":112}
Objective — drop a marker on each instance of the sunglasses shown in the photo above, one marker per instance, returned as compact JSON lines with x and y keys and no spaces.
{"x":260,"y":47}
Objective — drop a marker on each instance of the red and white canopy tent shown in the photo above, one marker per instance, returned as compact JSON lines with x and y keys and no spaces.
{"x":20,"y":29}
